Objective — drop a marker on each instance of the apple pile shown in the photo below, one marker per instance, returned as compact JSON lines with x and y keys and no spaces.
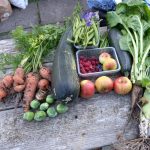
{"x":92,"y":64}
{"x":107,"y":61}
{"x":121,"y":85}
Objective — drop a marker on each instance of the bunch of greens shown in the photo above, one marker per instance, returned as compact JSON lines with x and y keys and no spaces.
{"x":133,"y":20}
{"x":34,"y":46}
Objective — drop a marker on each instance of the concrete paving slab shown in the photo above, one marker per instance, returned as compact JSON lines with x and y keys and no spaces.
{"x":52,"y":11}
{"x":26,"y":18}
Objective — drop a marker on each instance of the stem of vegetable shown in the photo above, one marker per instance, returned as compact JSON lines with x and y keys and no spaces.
{"x":135,"y":51}
{"x":141,"y":38}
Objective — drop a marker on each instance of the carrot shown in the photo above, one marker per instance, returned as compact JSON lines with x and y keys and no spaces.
{"x":43,"y":84}
{"x":19,"y":82}
{"x":2,"y":86}
{"x":30,"y":89}
{"x":8,"y":81}
{"x":45,"y":73}
{"x":19,"y":88}
{"x":19,"y":76}
{"x":3,"y":94}
{"x":41,"y":95}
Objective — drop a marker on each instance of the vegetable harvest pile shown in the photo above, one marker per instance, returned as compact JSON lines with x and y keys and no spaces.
{"x":46,"y":92}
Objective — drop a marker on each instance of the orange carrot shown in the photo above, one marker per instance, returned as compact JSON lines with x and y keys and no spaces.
{"x":43,"y":84}
{"x":19,"y":88}
{"x":19,"y":76}
{"x":3,"y":94}
{"x":45,"y":73}
{"x":8,"y":81}
{"x":19,"y":82}
{"x":30,"y":89}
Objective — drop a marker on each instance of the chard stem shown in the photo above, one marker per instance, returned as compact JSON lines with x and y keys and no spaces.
{"x":135,"y":54}
{"x":144,"y":57}
{"x":141,"y":39}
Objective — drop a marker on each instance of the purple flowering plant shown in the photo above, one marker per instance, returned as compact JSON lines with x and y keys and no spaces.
{"x":88,"y":16}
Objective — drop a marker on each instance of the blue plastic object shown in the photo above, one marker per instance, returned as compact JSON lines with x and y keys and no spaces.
{"x":102,"y":4}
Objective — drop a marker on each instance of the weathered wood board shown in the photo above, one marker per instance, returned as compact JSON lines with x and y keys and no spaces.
{"x":88,"y":124}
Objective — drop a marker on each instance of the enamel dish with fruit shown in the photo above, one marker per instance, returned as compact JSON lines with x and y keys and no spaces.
{"x":97,"y":62}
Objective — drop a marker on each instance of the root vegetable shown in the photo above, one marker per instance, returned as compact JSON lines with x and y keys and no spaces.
{"x":137,"y":93}
{"x":40,"y":116}
{"x":19,"y":88}
{"x":45,"y":73}
{"x":44,"y":106}
{"x":35,"y":104}
{"x":51,"y":112}
{"x":18,"y":80}
{"x":19,"y":76}
{"x":3,"y":94}
{"x":43,"y":84}
{"x":29,"y":116}
{"x":2,"y":86}
{"x":30,"y":89}
{"x":49,"y":99}
{"x":8,"y":81}
{"x":40,"y":95}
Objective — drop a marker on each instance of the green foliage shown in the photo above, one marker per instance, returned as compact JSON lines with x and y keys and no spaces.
{"x":33,"y":46}
{"x":133,"y":18}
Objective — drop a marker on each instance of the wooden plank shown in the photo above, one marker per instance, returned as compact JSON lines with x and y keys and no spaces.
{"x":7,"y":46}
{"x":88,"y":124}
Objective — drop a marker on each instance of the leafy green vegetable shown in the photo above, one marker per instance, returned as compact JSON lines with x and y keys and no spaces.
{"x":133,"y":19}
{"x":29,"y":116}
{"x":34,"y":46}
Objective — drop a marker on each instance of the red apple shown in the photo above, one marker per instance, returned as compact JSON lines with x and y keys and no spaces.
{"x":103,"y":57}
{"x":122,"y":85}
{"x":87,"y":89}
{"x":104,"y":84}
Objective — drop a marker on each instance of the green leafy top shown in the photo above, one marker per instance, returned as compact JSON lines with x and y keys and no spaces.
{"x":33,"y":46}
{"x":133,"y":19}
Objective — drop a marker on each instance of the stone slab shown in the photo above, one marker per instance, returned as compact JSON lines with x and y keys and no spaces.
{"x":52,"y":11}
{"x":25,"y":18}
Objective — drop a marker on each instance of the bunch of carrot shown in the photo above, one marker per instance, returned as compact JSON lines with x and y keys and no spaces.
{"x":31,"y":85}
